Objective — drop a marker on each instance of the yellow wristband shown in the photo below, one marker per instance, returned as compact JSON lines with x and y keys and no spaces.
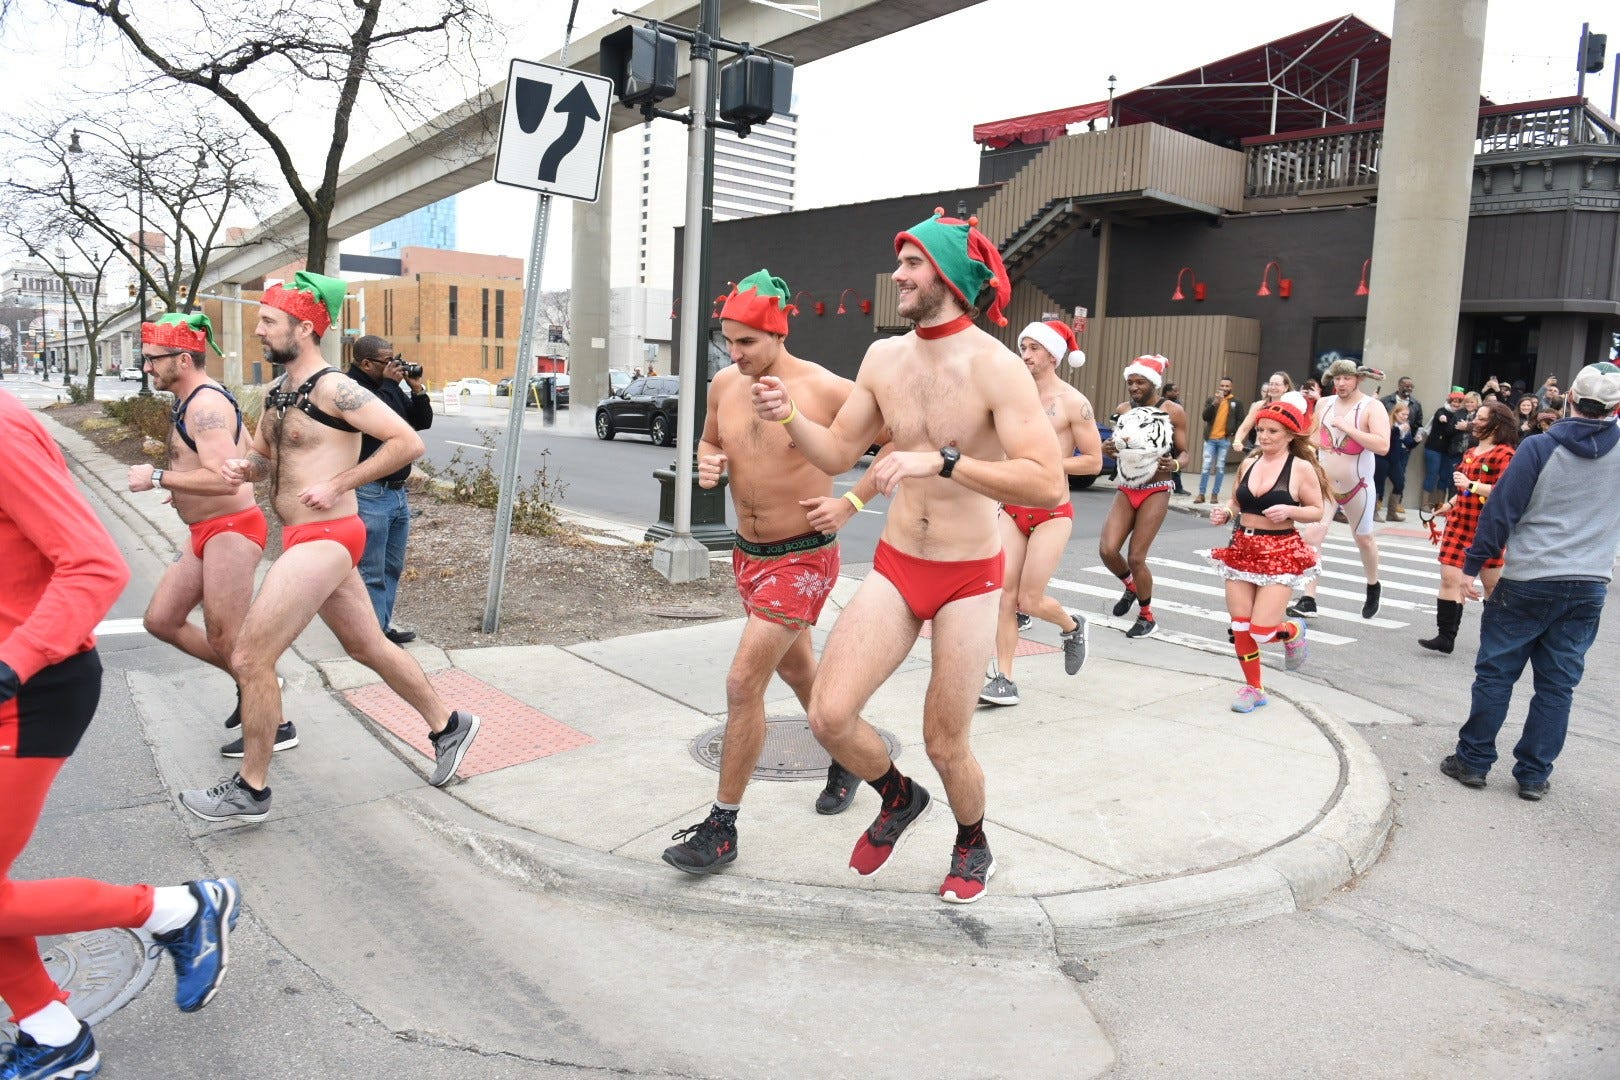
{"x":793,"y":413}
{"x":855,"y":500}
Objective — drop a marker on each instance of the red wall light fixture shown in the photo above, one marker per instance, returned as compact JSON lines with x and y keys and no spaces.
{"x":1199,"y":290}
{"x":1361,"y":289}
{"x":865,"y":305}
{"x":819,"y":306}
{"x":675,"y":312}
{"x":1285,"y":286}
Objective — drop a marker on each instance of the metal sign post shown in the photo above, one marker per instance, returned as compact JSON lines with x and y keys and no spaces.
{"x":553,"y":121}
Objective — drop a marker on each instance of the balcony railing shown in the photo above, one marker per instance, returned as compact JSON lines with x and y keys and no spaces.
{"x":1347,"y":156}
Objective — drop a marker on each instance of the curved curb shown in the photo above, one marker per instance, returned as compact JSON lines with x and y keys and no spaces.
{"x":1342,"y":842}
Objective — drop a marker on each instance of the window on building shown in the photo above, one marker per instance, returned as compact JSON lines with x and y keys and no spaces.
{"x":500,"y":357}
{"x":388,"y":312}
{"x":455,"y":302}
{"x":500,"y":313}
{"x":486,"y":357}
{"x":485,"y":331}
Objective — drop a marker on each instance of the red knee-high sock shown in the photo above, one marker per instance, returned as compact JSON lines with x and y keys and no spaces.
{"x":1248,"y":653}
{"x":1286,"y":632}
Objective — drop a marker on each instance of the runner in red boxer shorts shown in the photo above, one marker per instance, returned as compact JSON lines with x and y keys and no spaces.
{"x":786,"y":554}
{"x":60,"y":573}
{"x":228,"y":530}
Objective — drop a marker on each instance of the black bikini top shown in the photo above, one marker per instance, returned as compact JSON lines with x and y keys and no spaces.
{"x":1250,"y":503}
{"x":178,"y":416}
{"x":282,"y":400}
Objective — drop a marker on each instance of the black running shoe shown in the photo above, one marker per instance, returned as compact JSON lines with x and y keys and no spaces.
{"x":891,"y":826}
{"x":1123,"y":604}
{"x":235,"y":719}
{"x":1370,"y":608}
{"x":1453,"y":767}
{"x":1023,"y":621}
{"x":703,"y":848}
{"x":1142,"y":627}
{"x":1303,"y":608}
{"x":839,"y":792}
{"x":286,"y":739}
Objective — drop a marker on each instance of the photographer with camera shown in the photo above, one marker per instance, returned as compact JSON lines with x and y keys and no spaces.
{"x":383,"y":506}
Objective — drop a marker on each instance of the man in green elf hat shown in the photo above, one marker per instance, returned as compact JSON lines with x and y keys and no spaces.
{"x":968,"y":433}
{"x":228,"y":530}
{"x":786,"y":554}
{"x":308,"y":447}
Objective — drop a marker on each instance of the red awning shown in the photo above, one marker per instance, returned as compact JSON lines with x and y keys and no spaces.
{"x":1037,"y":127}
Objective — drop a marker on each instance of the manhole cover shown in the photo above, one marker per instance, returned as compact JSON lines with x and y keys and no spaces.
{"x":790,"y":751}
{"x":101,"y":970}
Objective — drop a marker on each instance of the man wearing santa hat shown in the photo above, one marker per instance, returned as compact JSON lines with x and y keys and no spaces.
{"x":1033,"y":538}
{"x":1143,"y":495}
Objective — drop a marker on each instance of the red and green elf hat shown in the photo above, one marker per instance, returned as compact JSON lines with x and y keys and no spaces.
{"x":313,"y":298}
{"x":965,"y":258}
{"x":761,"y":301}
{"x":192,"y":332}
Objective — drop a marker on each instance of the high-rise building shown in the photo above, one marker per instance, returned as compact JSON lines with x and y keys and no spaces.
{"x":433,"y":226}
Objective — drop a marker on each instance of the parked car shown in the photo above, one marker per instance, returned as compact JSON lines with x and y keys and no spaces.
{"x":645,"y":406}
{"x":537,"y":389}
{"x":1110,"y":468}
{"x":618,"y":379}
{"x":129,"y":373}
{"x":472,"y":387}
{"x":504,"y":387}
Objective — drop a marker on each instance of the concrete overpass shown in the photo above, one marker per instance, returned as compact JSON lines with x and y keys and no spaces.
{"x":456,"y":151}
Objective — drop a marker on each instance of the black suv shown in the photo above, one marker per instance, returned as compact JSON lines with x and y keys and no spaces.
{"x":646,"y":407}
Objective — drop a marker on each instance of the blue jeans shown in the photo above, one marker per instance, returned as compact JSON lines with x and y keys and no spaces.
{"x":387,"y":515}
{"x":1437,"y":469}
{"x":1215,"y":451}
{"x":1551,"y":623}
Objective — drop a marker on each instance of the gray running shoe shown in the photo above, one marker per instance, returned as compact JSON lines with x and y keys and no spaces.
{"x":1295,"y":650}
{"x":999,"y":691}
{"x":227,"y":800}
{"x":1074,"y":644}
{"x":449,"y":747}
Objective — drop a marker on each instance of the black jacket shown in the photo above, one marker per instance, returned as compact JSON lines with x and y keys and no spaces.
{"x":417,"y":409}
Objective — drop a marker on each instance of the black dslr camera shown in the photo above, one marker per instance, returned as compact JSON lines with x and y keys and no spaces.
{"x":412,"y":371}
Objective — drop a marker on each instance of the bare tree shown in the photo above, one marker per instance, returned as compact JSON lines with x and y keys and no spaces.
{"x":551,"y":318}
{"x":86,"y":289}
{"x":404,"y":50}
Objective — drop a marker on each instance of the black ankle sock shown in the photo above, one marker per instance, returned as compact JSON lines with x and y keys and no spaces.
{"x":970,"y":835}
{"x":893,"y":788}
{"x":721,"y":816}
{"x":259,"y":794}
{"x":450,"y":725}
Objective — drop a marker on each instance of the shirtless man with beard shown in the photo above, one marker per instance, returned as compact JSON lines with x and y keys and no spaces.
{"x":968,"y":433}
{"x":786,"y":555}
{"x":307,"y":446}
{"x":1033,"y":538}
{"x":228,"y":529}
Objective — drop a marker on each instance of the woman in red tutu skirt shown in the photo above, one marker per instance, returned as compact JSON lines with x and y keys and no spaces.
{"x":1280,"y":485}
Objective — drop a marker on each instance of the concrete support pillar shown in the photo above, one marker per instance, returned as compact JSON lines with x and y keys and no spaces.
{"x":332,"y":340}
{"x":590,"y":294}
{"x":1424,"y":184}
{"x":230,"y":333}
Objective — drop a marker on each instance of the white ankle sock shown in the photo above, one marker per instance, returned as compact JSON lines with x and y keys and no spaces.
{"x":54,"y":1025}
{"x":172,"y":907}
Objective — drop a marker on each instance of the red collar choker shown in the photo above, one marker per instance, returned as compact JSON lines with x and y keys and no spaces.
{"x":955,"y":326}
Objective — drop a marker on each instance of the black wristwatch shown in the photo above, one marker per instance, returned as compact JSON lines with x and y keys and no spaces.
{"x":951,"y":455}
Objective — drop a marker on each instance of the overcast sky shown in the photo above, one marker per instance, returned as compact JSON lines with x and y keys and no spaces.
{"x":903,"y":107}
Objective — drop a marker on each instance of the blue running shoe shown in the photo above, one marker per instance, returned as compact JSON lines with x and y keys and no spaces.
{"x":201,"y":948}
{"x":26,"y":1059}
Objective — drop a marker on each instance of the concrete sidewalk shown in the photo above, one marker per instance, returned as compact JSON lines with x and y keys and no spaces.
{"x":1125,"y":804}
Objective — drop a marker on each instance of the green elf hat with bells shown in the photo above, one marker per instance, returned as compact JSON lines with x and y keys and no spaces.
{"x":313,"y":298}
{"x":192,"y":332}
{"x":761,"y":301}
{"x":965,"y":258}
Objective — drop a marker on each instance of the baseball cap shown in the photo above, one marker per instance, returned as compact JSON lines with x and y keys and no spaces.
{"x":1599,"y":383}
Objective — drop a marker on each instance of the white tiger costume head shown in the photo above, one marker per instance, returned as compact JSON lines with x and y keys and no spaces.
{"x":1142,"y":436}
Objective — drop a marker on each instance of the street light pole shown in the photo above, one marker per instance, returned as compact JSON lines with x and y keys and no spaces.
{"x":61,"y":258}
{"x":140,"y":249}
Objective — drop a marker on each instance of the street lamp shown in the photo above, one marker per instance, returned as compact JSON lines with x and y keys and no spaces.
{"x":74,"y":147}
{"x":61,"y":260}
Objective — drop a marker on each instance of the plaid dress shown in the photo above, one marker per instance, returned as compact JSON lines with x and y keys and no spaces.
{"x":1486,"y":467}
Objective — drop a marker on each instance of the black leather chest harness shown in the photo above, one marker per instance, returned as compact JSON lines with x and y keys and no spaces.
{"x":282,"y":400}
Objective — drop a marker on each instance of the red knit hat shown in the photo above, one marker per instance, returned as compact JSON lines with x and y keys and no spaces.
{"x":965,"y":258}
{"x":1291,"y":411}
{"x":761,"y":301}
{"x":1055,"y":336}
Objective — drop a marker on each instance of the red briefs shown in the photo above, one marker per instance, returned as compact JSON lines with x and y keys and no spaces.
{"x":1028,"y":518}
{"x":349,"y":531}
{"x":927,"y":585}
{"x":788,"y":581}
{"x":249,"y":523}
{"x":1138,"y":496}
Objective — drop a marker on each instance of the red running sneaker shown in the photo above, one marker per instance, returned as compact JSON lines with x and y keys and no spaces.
{"x":878,"y":842}
{"x":971,"y":868}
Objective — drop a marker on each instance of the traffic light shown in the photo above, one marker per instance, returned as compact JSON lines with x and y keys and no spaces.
{"x":641,"y":62}
{"x":1597,"y":46}
{"x":754,"y":87}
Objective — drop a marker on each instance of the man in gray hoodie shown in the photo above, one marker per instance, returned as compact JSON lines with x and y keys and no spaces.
{"x":1554,"y":512}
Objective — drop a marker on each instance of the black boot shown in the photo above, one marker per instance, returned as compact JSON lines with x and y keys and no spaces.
{"x":1447,"y":619}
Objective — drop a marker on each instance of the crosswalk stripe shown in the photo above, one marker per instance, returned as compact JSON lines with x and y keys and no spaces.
{"x":1207,"y":614}
{"x":1214,"y":590}
{"x":1384,"y":567}
{"x":1428,"y":559}
{"x":117,"y":627}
